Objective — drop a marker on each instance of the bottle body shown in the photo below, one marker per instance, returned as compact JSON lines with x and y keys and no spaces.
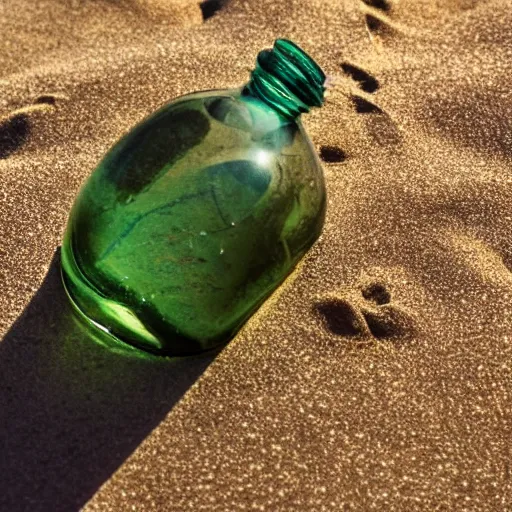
{"x":191,"y":220}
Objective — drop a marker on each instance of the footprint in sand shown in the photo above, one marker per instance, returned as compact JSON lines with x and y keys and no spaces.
{"x":210,"y":7}
{"x":366,"y":313}
{"x":15,"y":127}
{"x":383,"y":5}
{"x":366,"y":82}
{"x":379,"y":125}
{"x":332,"y":154}
{"x":48,"y":99}
{"x":14,"y":132}
{"x":378,"y":23}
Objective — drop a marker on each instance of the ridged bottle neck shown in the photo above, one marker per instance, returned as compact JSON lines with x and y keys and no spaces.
{"x":287,"y":79}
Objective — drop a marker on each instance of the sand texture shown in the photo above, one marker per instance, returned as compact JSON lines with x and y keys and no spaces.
{"x":379,"y":376}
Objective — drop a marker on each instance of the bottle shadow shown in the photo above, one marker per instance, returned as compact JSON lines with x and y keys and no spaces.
{"x":71,"y":410}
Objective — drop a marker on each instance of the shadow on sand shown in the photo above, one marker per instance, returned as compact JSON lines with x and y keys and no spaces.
{"x":71,"y":411}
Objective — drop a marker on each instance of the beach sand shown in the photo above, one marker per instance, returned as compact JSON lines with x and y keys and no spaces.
{"x":378,"y":377}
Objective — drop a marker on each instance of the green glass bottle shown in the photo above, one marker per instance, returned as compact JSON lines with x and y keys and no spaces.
{"x":195,"y":216}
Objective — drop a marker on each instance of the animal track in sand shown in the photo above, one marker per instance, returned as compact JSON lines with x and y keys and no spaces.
{"x":366,"y":82}
{"x":383,"y":5}
{"x":210,"y":7}
{"x":381,"y":128}
{"x":379,"y":124}
{"x":378,"y":25}
{"x":14,"y":132}
{"x":364,"y":106}
{"x":376,"y":292}
{"x":48,"y":99}
{"x":340,"y":316}
{"x":378,"y":22}
{"x":15,"y":127}
{"x":332,"y":154}
{"x":366,"y":313}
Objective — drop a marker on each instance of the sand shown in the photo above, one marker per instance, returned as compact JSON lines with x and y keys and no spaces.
{"x":378,"y":377}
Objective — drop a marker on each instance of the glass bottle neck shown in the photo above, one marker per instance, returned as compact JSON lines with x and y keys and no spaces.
{"x":287,"y":80}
